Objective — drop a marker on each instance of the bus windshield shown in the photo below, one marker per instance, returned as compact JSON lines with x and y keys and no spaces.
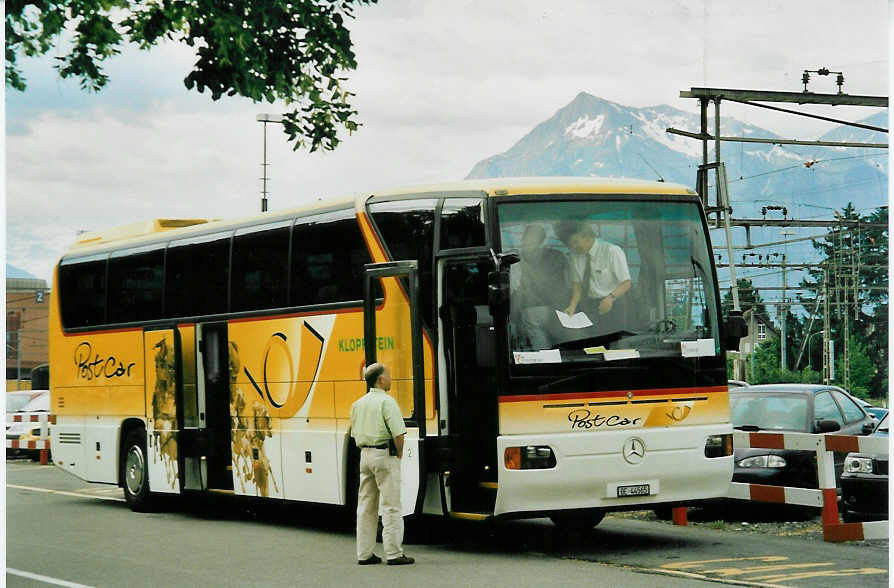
{"x":608,"y":280}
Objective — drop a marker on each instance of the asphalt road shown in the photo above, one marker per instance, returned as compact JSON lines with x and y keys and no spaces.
{"x":62,"y":531}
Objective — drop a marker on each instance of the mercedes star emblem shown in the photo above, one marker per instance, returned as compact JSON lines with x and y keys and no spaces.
{"x":634,"y":450}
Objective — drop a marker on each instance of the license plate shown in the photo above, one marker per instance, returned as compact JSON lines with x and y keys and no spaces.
{"x":636,"y":490}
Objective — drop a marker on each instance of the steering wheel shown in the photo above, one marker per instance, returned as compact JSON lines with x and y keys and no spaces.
{"x":665,"y":326}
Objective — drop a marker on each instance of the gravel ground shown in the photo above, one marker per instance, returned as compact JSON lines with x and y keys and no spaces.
{"x":749,"y":518}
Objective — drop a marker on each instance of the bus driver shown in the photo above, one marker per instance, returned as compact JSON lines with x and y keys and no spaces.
{"x":598,"y":273}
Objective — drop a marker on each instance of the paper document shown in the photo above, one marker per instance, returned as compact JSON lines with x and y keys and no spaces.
{"x":698,"y":348}
{"x":594,"y":350}
{"x":616,"y":354}
{"x":578,"y":321}
{"x":545,"y":356}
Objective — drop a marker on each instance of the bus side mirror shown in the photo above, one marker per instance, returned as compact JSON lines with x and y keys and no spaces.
{"x":734,"y":330}
{"x":498,"y":288}
{"x":498,"y":280}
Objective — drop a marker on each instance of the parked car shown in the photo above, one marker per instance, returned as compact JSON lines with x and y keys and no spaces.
{"x":27,"y":431}
{"x":864,"y":483}
{"x":15,"y":401}
{"x":876,"y":411}
{"x":804,"y":408}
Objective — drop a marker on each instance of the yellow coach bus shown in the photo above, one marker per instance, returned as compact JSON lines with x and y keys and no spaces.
{"x":223,"y":356}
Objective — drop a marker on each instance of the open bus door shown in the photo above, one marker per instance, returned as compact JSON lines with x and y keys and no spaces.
{"x":164,"y":388}
{"x":385,"y":328}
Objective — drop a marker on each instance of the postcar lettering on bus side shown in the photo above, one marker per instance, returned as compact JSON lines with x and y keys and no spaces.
{"x":581,"y":419}
{"x":92,"y":366}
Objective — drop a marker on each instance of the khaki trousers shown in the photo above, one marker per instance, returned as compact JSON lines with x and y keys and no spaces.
{"x":379,"y":482}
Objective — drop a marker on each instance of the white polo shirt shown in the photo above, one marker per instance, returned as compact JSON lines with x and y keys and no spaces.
{"x":376,"y":419}
{"x":608,"y":268}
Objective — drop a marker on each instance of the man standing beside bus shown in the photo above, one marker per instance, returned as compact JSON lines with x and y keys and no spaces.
{"x":378,"y":430}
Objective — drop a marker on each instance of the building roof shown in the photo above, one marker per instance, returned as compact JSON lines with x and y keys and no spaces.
{"x":25,"y":284}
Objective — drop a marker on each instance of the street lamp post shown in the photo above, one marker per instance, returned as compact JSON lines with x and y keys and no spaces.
{"x":266,"y":118}
{"x":809,"y":337}
{"x":782,"y":359}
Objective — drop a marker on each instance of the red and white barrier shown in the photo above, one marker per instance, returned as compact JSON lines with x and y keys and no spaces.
{"x":825,"y":496}
{"x":41,"y":444}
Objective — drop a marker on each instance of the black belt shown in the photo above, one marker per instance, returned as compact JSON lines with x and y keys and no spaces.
{"x":383,"y":446}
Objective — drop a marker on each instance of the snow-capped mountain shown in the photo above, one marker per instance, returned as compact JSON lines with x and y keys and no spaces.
{"x":595,"y":137}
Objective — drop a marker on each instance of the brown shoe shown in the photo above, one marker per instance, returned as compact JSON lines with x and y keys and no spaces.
{"x":373,"y":559}
{"x":400,"y":561}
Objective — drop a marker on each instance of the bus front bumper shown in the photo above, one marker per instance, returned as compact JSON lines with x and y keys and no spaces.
{"x":662,"y":465}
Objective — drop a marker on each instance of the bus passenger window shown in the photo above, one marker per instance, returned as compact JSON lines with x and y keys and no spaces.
{"x":83,"y":292}
{"x":135,"y":285}
{"x":462,"y":223}
{"x":197,"y":275}
{"x":260,"y":267}
{"x":328,"y":255}
{"x":408,"y":229}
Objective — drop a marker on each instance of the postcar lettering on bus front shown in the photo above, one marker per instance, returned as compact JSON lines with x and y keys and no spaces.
{"x":348,"y":345}
{"x":582,"y":419}
{"x":93,"y":366}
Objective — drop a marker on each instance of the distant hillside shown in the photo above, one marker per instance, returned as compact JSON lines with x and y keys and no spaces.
{"x":14,"y":272}
{"x":595,"y":137}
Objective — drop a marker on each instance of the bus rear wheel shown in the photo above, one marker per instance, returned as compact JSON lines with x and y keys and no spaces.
{"x":135,"y":472}
{"x":577,"y":520}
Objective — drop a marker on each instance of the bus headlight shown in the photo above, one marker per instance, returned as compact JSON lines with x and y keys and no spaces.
{"x":719,"y":445}
{"x":530,"y":457}
{"x":858,"y":465}
{"x":762,"y":461}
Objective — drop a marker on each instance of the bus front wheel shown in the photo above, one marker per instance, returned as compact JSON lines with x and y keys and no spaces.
{"x":577,"y":520}
{"x":136,"y":472}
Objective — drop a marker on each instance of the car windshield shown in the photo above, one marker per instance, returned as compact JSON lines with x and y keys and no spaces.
{"x":641,"y":270}
{"x":765,"y":411}
{"x":41,"y":402}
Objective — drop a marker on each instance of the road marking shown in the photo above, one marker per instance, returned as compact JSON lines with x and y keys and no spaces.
{"x":822,"y":574}
{"x":105,"y":490}
{"x":706,"y":578}
{"x":685,"y":565}
{"x":759,"y":569}
{"x":32,"y":468}
{"x":46,"y":579}
{"x":790,"y":571}
{"x":64,"y":493}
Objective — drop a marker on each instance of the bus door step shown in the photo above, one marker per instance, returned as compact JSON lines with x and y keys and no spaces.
{"x":220,"y":491}
{"x":470,"y":516}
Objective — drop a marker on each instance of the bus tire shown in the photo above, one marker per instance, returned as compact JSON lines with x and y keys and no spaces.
{"x":135,"y":472}
{"x":663,"y":513}
{"x":577,"y":520}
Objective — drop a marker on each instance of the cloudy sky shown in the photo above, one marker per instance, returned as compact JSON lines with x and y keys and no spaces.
{"x":440,"y":86}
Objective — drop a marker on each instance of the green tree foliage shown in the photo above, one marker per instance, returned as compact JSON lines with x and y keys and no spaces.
{"x":766,"y":368}
{"x":865,"y":248}
{"x":863,"y":369}
{"x":266,"y":50}
{"x":749,"y":298}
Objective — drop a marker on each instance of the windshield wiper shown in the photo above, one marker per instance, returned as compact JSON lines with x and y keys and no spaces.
{"x":544,"y":388}
{"x":592,"y":341}
{"x":749,"y":428}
